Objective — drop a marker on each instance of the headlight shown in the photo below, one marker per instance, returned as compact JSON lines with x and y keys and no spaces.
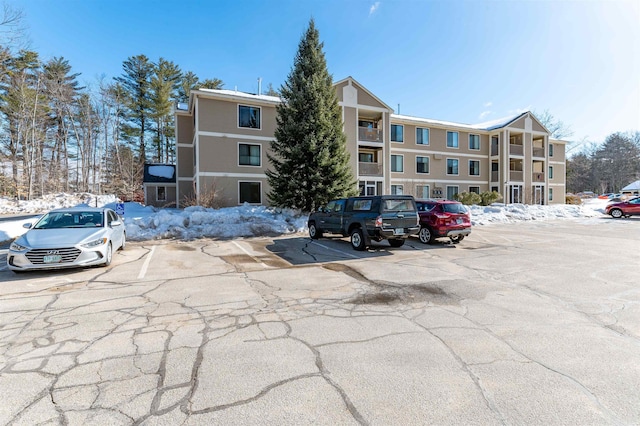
{"x":95,"y":243}
{"x":17,"y":247}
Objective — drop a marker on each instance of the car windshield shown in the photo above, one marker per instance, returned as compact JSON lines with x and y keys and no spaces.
{"x":454,"y":208}
{"x":403,"y":205}
{"x":80,"y":219}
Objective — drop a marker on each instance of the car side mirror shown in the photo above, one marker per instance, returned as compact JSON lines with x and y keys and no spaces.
{"x":27,"y":225}
{"x":116,"y":223}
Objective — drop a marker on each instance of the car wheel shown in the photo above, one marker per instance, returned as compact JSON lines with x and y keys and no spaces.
{"x":396,"y":243}
{"x":357,"y":239}
{"x":314,"y":232}
{"x":617,"y":213}
{"x":108,"y":255}
{"x":456,"y":239}
{"x":426,"y":236}
{"x":124,"y":241}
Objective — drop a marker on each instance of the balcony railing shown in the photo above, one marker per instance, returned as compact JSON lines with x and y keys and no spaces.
{"x":369,"y":134}
{"x":515,"y":175}
{"x":495,"y":176}
{"x":538,"y":152}
{"x":537,"y":177}
{"x":494,"y":149}
{"x":516,"y":149}
{"x":370,"y":169}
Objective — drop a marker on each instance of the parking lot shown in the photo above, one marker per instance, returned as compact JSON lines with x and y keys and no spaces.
{"x":529,"y":323}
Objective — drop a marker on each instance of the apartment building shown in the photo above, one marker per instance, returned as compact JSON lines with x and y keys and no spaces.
{"x":223,"y":138}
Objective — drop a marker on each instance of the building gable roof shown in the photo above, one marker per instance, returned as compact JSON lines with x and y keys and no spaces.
{"x":359,"y":86}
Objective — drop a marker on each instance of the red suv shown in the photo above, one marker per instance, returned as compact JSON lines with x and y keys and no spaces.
{"x":443,"y":218}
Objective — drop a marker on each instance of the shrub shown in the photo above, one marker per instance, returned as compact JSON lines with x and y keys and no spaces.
{"x":572,"y":199}
{"x":489,"y":198}
{"x":468,"y":198}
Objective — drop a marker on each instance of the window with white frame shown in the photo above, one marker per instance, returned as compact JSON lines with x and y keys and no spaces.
{"x":248,"y":116}
{"x":422,"y":136}
{"x":452,"y":166}
{"x":452,"y":139}
{"x":397,"y":163}
{"x":550,"y":194}
{"x":550,"y":150}
{"x":474,"y":142}
{"x":474,"y":189}
{"x":452,"y":191}
{"x":397,"y":133}
{"x":422,"y":191}
{"x":250,"y":192}
{"x":248,"y":154}
{"x":474,"y":168}
{"x":161,"y":193}
{"x":550,"y":172}
{"x":422,"y":164}
{"x":397,"y":190}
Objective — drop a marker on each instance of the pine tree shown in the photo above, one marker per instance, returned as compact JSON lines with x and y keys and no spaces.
{"x":310,"y":163}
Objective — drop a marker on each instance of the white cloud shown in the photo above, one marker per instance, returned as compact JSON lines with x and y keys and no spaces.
{"x":520,"y":110}
{"x":373,"y":8}
{"x":484,"y":114}
{"x":488,"y":104}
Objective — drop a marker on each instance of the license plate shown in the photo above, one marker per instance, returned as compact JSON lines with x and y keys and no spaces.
{"x":398,"y":231}
{"x":458,"y":221}
{"x":52,"y":258}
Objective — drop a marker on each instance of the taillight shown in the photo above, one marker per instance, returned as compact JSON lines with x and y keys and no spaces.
{"x":379,"y":222}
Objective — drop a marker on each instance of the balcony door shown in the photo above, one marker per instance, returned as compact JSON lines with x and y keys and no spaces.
{"x":538,"y":194}
{"x":515,"y":193}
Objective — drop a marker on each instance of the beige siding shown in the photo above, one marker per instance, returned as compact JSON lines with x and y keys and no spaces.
{"x":184,"y":127}
{"x":185,"y":191}
{"x":185,"y":161}
{"x":518,"y":124}
{"x":351,"y":131}
{"x":227,"y":189}
{"x":537,"y":127}
{"x":558,"y":152}
{"x":221,"y":154}
{"x":221,"y":116}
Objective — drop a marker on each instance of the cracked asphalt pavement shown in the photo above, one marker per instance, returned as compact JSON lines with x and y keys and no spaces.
{"x":531,"y":323}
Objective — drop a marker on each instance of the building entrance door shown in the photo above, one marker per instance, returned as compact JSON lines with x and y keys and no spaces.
{"x":538,"y":195}
{"x":515,"y":192}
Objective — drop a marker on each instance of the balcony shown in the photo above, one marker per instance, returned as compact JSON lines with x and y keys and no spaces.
{"x":494,"y":149}
{"x":537,"y":177}
{"x":515,"y":175}
{"x":538,"y":152}
{"x":516,"y":149}
{"x":369,"y":134}
{"x":369,"y":169}
{"x":495,"y":176}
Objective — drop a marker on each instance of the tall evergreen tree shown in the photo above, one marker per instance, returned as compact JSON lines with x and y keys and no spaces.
{"x":136,"y":80}
{"x":164,"y":85}
{"x":310,"y":162}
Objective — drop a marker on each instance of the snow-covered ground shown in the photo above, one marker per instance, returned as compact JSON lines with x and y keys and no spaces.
{"x":147,"y":223}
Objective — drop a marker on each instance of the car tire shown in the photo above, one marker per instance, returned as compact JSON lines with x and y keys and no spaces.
{"x":426,"y":236}
{"x":108,"y":255}
{"x":314,"y":232}
{"x":357,"y":240}
{"x":124,"y":241}
{"x":396,"y":243}
{"x":456,"y":239}
{"x":616,"y":213}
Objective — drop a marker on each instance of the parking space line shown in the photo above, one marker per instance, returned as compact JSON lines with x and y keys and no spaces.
{"x":143,"y":271}
{"x":250,"y":255}
{"x":337,"y":251}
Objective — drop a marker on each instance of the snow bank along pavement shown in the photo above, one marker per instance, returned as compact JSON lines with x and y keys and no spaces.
{"x":147,"y":223}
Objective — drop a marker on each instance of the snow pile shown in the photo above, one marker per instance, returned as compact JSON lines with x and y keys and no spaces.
{"x":147,"y":223}
{"x":53,"y":201}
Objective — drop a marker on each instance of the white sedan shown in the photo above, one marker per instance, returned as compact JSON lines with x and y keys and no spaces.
{"x":70,"y":237}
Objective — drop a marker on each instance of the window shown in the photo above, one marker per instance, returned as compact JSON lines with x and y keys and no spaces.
{"x":494,"y":189}
{"x":550,"y":194}
{"x":474,"y":168}
{"x":250,"y":192}
{"x":396,"y":190}
{"x":550,"y":150}
{"x":422,"y":191}
{"x":161,"y":193}
{"x":474,"y":142}
{"x":452,"y":139}
{"x":550,"y":172}
{"x":396,"y":133}
{"x":474,"y":189}
{"x":422,"y":136}
{"x":249,"y":117}
{"x":452,"y":191}
{"x":422,"y":164}
{"x":248,"y":155}
{"x":396,"y":163}
{"x":362,"y":205}
{"x":365,"y":157}
{"x":452,"y":166}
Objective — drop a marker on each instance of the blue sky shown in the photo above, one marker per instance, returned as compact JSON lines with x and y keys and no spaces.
{"x":463,"y":61}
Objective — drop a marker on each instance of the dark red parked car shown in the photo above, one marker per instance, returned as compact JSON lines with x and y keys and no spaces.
{"x":443,"y":218}
{"x":624,"y":208}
